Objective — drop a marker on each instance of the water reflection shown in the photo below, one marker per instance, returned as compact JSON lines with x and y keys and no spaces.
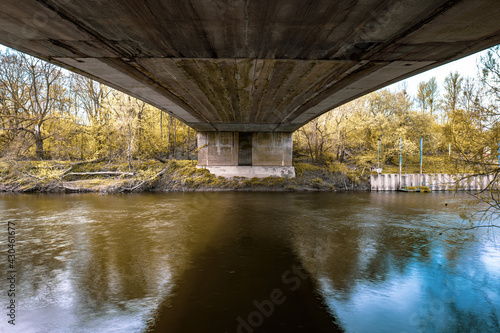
{"x":93,"y":263}
{"x":246,"y":278}
{"x":250,"y":262}
{"x":383,"y":267}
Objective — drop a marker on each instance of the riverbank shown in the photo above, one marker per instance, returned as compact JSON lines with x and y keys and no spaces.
{"x":171,"y":176}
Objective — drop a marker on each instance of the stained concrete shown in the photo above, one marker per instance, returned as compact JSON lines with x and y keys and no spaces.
{"x":272,"y":149}
{"x":217,"y":148}
{"x":251,"y":171}
{"x":271,"y":154}
{"x":244,"y":65}
{"x":268,"y":149}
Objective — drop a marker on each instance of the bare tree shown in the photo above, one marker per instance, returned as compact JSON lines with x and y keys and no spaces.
{"x":452,"y":89}
{"x":427,"y":95}
{"x":90,"y":97}
{"x":317,"y":135}
{"x":490,"y":72}
{"x":35,"y":93}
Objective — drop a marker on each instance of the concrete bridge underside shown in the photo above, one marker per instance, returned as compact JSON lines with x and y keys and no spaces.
{"x":247,"y":73}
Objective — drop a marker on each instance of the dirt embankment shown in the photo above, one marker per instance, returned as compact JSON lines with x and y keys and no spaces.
{"x":154,"y":176}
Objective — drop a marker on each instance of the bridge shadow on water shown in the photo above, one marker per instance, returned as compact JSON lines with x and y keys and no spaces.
{"x":245,"y":279}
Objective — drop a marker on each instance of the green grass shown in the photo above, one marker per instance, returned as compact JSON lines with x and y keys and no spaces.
{"x":176,"y":175}
{"x":301,"y":168}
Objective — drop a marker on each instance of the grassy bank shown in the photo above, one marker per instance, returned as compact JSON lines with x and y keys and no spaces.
{"x":154,"y":176}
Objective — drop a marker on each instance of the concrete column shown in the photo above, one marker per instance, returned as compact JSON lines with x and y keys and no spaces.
{"x":271,"y":154}
{"x":272,"y":149}
{"x":217,"y":148}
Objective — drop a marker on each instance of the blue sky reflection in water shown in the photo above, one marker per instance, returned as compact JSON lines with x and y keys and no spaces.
{"x":405,"y":277}
{"x":197,"y":261}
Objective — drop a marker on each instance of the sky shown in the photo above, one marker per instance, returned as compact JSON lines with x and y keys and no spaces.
{"x":467,"y":67}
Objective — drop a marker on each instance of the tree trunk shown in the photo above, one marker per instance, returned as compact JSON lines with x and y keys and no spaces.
{"x":140,"y":129}
{"x":39,"y":148}
{"x":175,"y":137}
{"x":187,"y":143}
{"x":38,"y":143}
{"x":81,"y":145}
{"x":129,"y":147}
{"x":161,"y":127}
{"x":169,"y":136}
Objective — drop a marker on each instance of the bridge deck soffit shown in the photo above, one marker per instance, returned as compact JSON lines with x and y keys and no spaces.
{"x":243,"y":65}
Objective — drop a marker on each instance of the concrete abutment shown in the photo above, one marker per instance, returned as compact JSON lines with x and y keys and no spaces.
{"x":246,"y":154}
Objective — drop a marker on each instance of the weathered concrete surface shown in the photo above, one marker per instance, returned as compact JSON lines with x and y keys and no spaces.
{"x":251,"y":66}
{"x":272,"y":149}
{"x":224,"y":149}
{"x":251,"y":171}
{"x":217,"y":148}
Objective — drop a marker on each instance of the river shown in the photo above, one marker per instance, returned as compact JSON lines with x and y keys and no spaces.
{"x":247,"y":262}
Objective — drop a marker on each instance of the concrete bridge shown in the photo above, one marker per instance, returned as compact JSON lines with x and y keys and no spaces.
{"x":247,"y":73}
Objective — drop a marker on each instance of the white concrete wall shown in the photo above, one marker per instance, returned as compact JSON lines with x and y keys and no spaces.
{"x":435,"y":181}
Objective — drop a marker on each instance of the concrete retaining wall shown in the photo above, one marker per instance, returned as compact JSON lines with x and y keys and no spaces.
{"x":435,"y":181}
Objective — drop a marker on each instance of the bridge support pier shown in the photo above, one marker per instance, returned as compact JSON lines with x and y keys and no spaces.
{"x":246,"y":154}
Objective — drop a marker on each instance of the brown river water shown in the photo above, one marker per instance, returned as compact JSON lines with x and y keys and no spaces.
{"x":247,"y":263}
